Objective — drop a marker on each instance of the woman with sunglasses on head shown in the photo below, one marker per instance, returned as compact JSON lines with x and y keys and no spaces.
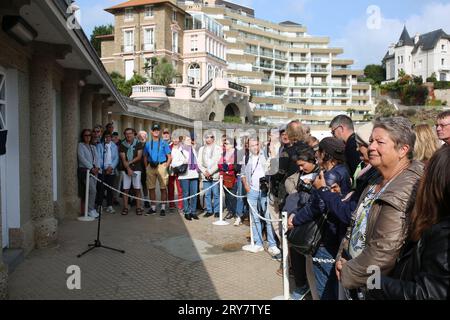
{"x":87,"y":161}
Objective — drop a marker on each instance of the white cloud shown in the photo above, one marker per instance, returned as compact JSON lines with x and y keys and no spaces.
{"x":368,"y":46}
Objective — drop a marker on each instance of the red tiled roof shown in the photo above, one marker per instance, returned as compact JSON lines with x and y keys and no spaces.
{"x":137,"y":3}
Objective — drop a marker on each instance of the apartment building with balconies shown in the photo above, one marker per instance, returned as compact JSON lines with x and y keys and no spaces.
{"x":291,"y":74}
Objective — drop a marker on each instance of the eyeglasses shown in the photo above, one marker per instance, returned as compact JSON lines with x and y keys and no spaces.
{"x":442,"y":125}
{"x":87,"y":135}
{"x":165,"y":132}
{"x":97,"y":131}
{"x":334,"y":130}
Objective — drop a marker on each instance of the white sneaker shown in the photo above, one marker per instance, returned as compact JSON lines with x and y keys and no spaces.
{"x":110,"y":209}
{"x":273,"y":251}
{"x":253,"y":248}
{"x":93,"y":214}
{"x":237,"y":222}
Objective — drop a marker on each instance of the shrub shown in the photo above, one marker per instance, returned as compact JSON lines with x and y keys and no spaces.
{"x":442,"y":85}
{"x":232,"y":119}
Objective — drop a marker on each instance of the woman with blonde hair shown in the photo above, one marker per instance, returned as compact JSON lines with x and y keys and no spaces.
{"x":427,"y":143}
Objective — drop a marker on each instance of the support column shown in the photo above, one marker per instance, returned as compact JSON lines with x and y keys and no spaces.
{"x":97,"y":104}
{"x":41,"y":146}
{"x":70,"y":117}
{"x":86,"y":99}
{"x":127,"y":122}
{"x":3,"y":271}
{"x":147,"y":126}
{"x":138,"y":124}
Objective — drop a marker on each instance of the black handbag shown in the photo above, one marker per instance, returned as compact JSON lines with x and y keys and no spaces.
{"x":180,"y":169}
{"x":306,"y":237}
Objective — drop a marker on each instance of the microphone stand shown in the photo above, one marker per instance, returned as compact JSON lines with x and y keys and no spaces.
{"x":97,"y":243}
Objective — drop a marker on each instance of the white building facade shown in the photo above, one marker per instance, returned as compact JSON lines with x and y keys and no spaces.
{"x":421,"y":55}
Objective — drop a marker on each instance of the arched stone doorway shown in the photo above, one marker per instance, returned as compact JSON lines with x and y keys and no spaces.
{"x":232,"y":110}
{"x":212,"y":116}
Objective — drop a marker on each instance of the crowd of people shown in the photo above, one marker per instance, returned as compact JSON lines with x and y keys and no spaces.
{"x":379,"y":195}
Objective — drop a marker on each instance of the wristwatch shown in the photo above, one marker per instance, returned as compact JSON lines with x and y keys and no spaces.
{"x":323,"y":189}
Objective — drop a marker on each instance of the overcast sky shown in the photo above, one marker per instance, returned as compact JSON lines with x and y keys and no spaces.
{"x":363,"y":28}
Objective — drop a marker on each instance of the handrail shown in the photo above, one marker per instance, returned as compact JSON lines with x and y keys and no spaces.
{"x":205,"y":88}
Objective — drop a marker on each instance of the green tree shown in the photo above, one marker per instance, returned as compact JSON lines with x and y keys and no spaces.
{"x":375,"y":73}
{"x":385,"y":109}
{"x":100,"y":31}
{"x":125,"y":87}
{"x":163,"y":73}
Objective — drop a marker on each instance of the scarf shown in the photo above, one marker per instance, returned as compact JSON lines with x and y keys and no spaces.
{"x":192,"y":159}
{"x":130,"y":148}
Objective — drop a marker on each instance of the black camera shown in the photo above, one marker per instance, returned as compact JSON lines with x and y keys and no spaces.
{"x":263,"y":185}
{"x":302,"y":186}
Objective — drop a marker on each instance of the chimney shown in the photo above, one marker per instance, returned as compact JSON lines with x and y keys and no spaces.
{"x":391,"y":48}
{"x":416,"y":38}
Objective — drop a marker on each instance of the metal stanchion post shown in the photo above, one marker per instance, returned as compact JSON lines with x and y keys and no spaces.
{"x":221,"y":222}
{"x":286,"y":294}
{"x":86,"y":218}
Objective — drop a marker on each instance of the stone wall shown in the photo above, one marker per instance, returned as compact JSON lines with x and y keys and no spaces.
{"x":443,"y":95}
{"x":202,"y":110}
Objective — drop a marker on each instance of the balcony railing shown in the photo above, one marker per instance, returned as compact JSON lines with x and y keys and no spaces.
{"x":128,"y":48}
{"x":266,"y":65}
{"x":237,"y":87}
{"x":298,"y":70}
{"x":319,"y":70}
{"x":299,"y":84}
{"x":323,"y":84}
{"x":148,"y":47}
{"x":146,"y":88}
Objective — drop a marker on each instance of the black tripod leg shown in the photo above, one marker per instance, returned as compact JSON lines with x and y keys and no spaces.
{"x":92,"y":247}
{"x":114,"y":249}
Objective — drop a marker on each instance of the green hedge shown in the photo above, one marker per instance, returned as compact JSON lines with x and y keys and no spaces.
{"x":442,"y":85}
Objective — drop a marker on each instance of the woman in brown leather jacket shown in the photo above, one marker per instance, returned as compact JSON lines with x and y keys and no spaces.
{"x":379,"y":224}
{"x":423,"y":272}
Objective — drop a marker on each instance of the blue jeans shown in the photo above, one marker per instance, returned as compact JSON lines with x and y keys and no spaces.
{"x":254,"y":198}
{"x":240,"y":201}
{"x":189,"y":187}
{"x":325,"y":277}
{"x":208,"y":199}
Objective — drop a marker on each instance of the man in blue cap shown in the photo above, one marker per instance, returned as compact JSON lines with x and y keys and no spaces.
{"x":157,"y":158}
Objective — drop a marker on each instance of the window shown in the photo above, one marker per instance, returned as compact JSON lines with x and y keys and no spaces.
{"x":174,"y":15}
{"x":210,"y":72}
{"x":148,"y":12}
{"x":401,"y":59}
{"x":148,"y":39}
{"x":398,"y":59}
{"x":420,"y":64}
{"x":194,"y":43}
{"x":128,"y":41}
{"x":443,"y":47}
{"x":175,"y":42}
{"x":442,"y":61}
{"x":194,"y":74}
{"x":129,"y":15}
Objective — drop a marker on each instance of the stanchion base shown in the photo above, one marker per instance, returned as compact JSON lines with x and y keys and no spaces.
{"x":221,"y":223}
{"x":279,"y":298}
{"x":252,"y":248}
{"x":86,"y":219}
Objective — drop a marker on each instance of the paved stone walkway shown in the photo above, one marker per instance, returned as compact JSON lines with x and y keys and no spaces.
{"x":166,"y":258}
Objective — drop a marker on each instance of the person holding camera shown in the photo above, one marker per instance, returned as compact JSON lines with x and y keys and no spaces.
{"x":255,"y":184}
{"x":299,"y":190}
{"x":331,"y":158}
{"x":130,"y":154}
{"x":157,"y":158}
{"x":208,"y":164}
